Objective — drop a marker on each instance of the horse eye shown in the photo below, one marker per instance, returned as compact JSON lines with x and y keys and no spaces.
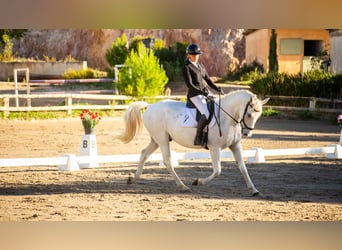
{"x":249,"y":116}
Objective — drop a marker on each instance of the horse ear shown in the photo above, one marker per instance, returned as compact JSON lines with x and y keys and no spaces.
{"x":265,"y":101}
{"x":253,"y":100}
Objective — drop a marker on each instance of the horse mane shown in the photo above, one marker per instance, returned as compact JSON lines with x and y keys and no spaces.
{"x":246,"y":94}
{"x":234,"y":92}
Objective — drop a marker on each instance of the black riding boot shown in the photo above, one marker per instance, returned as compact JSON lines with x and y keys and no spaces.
{"x":199,"y":134}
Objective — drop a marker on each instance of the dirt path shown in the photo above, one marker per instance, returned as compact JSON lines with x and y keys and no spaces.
{"x":293,"y":188}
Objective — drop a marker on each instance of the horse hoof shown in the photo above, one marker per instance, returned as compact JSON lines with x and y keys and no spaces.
{"x":185,"y":190}
{"x":129,"y":180}
{"x":256,"y":193}
{"x":195,"y":183}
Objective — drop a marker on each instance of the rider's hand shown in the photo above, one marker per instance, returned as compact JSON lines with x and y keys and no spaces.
{"x":205,"y":92}
{"x":220,"y":90}
{"x":210,"y":97}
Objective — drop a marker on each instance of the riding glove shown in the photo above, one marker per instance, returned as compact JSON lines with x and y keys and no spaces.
{"x":205,"y":92}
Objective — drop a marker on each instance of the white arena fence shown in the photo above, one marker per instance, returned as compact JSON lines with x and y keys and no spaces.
{"x":73,"y":162}
{"x":70,"y":162}
{"x":114,"y":102}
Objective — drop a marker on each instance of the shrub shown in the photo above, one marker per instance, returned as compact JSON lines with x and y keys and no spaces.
{"x":49,"y":59}
{"x":88,"y":73}
{"x":6,"y":54}
{"x":172,"y":58}
{"x":270,"y":112}
{"x":310,"y":84}
{"x":146,"y":78}
{"x":117,"y":54}
{"x":306,"y":115}
{"x":6,"y":45}
{"x":246,"y":72}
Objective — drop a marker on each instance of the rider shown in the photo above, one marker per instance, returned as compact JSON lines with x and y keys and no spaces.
{"x":197,"y":80}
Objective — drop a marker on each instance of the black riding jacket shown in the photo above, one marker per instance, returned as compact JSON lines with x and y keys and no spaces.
{"x":197,"y":79}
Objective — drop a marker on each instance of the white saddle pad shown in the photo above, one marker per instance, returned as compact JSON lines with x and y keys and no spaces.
{"x":189,"y":118}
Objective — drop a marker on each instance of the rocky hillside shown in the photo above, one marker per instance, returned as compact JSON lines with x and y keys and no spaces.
{"x":222,"y":47}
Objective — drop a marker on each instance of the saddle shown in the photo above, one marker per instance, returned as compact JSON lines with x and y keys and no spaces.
{"x":210,"y":106}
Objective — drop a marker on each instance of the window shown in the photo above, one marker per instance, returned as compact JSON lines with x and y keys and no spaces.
{"x":313,"y":47}
{"x":291,"y":46}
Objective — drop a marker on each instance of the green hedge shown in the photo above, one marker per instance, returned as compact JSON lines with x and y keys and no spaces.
{"x":310,"y":84}
{"x":88,"y":73}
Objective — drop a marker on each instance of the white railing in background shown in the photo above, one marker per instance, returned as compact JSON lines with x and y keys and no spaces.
{"x":113,"y":105}
{"x":68,"y":102}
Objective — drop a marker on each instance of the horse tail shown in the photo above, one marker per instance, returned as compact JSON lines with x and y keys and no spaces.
{"x":133,"y":121}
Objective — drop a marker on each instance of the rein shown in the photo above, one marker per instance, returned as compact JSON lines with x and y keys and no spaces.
{"x":242,"y":121}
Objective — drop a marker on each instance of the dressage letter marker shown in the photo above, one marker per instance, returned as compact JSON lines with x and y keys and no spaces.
{"x":89,"y":148}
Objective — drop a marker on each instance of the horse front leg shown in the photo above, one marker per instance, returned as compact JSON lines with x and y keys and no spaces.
{"x":145,"y":153}
{"x":165,"y":149}
{"x":237,"y":152}
{"x":216,"y":163}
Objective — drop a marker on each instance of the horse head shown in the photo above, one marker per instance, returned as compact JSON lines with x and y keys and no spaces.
{"x":248,"y":109}
{"x":251,"y":113}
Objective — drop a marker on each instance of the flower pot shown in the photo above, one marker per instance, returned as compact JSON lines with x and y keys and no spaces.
{"x":88,"y":131}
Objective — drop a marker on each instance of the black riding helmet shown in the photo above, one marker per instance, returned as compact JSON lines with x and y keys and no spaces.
{"x":193,"y":49}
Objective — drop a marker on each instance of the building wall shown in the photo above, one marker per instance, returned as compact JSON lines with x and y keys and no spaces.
{"x":336,"y":51}
{"x":43,"y":70}
{"x":257,"y":46}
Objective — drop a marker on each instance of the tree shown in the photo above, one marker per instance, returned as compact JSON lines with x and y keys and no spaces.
{"x":146,"y":77}
{"x":6,"y":44}
{"x":272,"y":57}
{"x":12,"y":33}
{"x":117,"y":54}
{"x":172,"y":59}
{"x":6,"y":54}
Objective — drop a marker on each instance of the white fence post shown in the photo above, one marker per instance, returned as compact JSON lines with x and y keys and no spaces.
{"x":312,"y":104}
{"x":259,"y":156}
{"x":337,"y":154}
{"x":71,"y":164}
{"x":15,"y":73}
{"x":6,"y":106}
{"x":68,"y":103}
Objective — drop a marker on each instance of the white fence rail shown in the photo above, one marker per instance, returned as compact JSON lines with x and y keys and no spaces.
{"x":68,"y":99}
{"x":113,"y":102}
{"x":254,"y":156}
{"x":312,"y":104}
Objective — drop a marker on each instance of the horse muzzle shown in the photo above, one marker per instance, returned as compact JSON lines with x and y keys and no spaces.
{"x":246,"y":132}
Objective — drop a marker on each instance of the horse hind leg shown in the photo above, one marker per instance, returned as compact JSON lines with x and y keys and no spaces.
{"x":145,"y":153}
{"x":216,"y":164}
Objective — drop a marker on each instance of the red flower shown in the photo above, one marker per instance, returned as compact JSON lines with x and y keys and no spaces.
{"x":89,"y":119}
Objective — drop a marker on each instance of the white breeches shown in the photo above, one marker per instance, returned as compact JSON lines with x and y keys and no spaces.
{"x":201,"y":104}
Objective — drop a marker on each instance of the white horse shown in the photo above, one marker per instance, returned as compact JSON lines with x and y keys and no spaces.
{"x":239,"y":111}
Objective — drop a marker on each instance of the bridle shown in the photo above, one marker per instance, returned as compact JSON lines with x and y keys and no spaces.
{"x":242,"y":121}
